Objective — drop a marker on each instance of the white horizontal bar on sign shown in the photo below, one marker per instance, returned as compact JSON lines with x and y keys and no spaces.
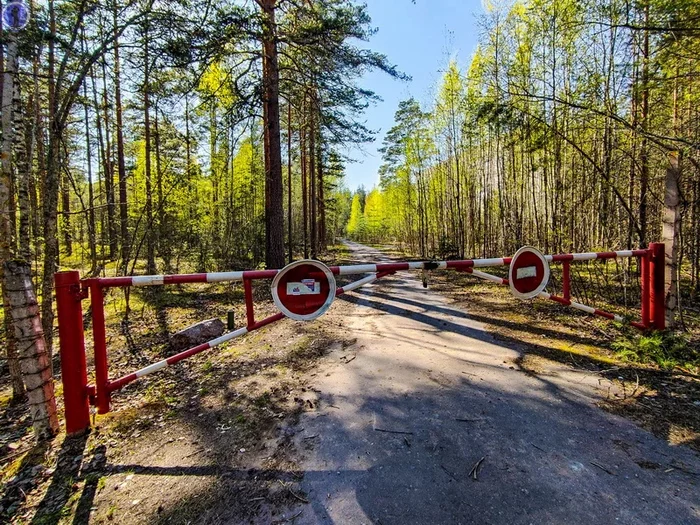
{"x":220,"y":277}
{"x":358,"y":268}
{"x":147,"y":280}
{"x":361,"y":282}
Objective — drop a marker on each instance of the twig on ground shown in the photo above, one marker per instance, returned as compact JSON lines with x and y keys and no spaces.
{"x":350,"y":359}
{"x":468,"y":420}
{"x":538,"y":448}
{"x":474,"y":472}
{"x":392,"y":431}
{"x":448,"y":472}
{"x":601,"y":467}
{"x":297,"y":496}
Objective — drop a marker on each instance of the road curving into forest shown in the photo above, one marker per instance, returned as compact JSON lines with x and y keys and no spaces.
{"x":427,"y":418}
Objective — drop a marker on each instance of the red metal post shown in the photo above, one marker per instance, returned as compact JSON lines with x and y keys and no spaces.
{"x":100,"y":343}
{"x":644,"y":262}
{"x":566,"y":280}
{"x":249,"y":306}
{"x":72,"y":349}
{"x":657,"y":300}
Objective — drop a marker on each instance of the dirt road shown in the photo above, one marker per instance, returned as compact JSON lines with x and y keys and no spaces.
{"x":426,"y":394}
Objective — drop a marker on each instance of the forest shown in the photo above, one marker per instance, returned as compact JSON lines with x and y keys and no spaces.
{"x":573,"y":128}
{"x":187,"y":135}
{"x":171,"y":136}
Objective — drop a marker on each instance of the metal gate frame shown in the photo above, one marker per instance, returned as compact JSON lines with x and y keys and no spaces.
{"x":79,"y":395}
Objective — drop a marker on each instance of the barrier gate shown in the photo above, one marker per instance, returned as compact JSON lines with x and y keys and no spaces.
{"x":304,"y":290}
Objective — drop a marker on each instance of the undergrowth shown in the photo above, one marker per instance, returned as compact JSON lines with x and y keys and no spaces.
{"x":666,"y":349}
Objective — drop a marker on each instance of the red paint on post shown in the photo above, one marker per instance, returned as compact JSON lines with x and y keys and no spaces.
{"x":644,"y":262}
{"x":100,"y":343}
{"x":657,"y":300}
{"x":72,"y":349}
{"x":249,"y":306}
{"x":185,"y":278}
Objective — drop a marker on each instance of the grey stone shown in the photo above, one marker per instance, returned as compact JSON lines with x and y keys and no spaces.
{"x":197,"y":334}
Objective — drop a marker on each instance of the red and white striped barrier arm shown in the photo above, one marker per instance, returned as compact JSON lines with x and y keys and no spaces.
{"x":219,"y":277}
{"x":125,"y":380}
{"x":544,"y":295}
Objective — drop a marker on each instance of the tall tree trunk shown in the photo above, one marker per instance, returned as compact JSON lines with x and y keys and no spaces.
{"x":107,"y":161}
{"x":304,"y":182}
{"x":36,"y":360}
{"x":150,"y":244}
{"x":50,"y":195}
{"x":6,"y":225}
{"x":274,"y":192}
{"x":312,"y":179}
{"x":121,"y":167}
{"x":290,"y":239}
{"x":92,"y":231}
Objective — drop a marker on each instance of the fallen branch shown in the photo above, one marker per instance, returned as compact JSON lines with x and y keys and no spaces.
{"x":474,"y":472}
{"x":601,"y":467}
{"x":297,"y":496}
{"x":392,"y":431}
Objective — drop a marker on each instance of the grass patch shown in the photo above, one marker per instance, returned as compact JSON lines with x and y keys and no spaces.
{"x":665,"y":349}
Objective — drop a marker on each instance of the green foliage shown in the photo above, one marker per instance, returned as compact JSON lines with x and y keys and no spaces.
{"x":665,"y":349}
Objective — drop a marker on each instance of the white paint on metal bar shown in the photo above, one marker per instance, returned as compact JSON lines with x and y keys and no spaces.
{"x":358,"y":268}
{"x":361,"y":282}
{"x":624,"y":253}
{"x":583,"y":308}
{"x":416,"y":265}
{"x":585,"y":256}
{"x":487,"y":276}
{"x":482,"y":263}
{"x":147,"y":280}
{"x":152,"y":368}
{"x":220,"y":277}
{"x":228,"y":337}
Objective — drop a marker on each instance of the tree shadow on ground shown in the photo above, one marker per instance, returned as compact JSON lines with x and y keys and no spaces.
{"x":68,"y":472}
{"x":664,"y":417}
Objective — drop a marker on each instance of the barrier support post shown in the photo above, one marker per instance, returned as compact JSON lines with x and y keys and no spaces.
{"x":100,"y":343}
{"x":249,"y":306}
{"x":72,"y":351}
{"x":644,"y":263}
{"x":657,"y":276}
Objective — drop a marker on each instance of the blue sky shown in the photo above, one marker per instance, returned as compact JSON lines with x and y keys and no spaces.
{"x":420,"y":39}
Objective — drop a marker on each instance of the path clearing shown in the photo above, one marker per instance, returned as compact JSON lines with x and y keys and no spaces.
{"x":425,"y":393}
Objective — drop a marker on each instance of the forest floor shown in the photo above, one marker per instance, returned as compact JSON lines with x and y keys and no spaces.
{"x":245,"y":433}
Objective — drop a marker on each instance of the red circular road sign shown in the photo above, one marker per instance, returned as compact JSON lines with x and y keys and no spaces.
{"x":529,"y":273}
{"x":304,"y":290}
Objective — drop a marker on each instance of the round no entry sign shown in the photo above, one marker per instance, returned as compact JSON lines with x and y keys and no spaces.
{"x":304,"y":290}
{"x":528,"y":274}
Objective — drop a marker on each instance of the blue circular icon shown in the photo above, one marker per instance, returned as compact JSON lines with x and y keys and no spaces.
{"x":15,"y":16}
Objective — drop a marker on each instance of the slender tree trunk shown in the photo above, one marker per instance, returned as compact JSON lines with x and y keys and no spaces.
{"x":36,"y":360}
{"x":312,"y":180}
{"x":6,"y":224}
{"x":150,"y":227}
{"x":290,"y":238}
{"x":274,"y":194}
{"x":304,"y":183}
{"x":121,"y":166}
